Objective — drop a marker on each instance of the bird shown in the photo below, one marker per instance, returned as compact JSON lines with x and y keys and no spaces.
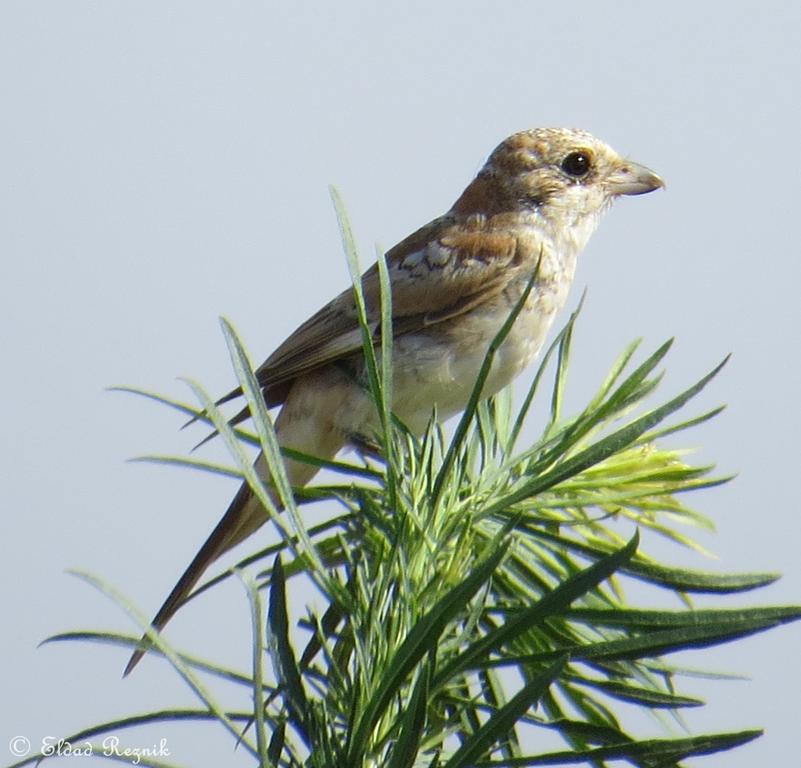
{"x":525,"y":217}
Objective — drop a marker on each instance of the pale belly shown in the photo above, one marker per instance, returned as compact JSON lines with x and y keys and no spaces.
{"x":439,"y":367}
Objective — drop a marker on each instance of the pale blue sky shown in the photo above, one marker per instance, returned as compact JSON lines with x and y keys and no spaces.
{"x":162,"y":164}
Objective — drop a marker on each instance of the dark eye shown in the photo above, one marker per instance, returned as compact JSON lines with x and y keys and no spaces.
{"x":577,"y":163}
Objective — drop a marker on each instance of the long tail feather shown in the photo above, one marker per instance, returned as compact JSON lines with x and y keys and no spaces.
{"x":244,"y":515}
{"x":305,"y":424}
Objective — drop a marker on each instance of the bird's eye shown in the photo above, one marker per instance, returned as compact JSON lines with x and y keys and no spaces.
{"x":577,"y":163}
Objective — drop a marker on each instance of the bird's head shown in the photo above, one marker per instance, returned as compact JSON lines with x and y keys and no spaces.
{"x":564,"y":177}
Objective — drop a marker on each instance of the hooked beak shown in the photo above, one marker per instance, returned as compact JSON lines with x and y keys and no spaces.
{"x":632,"y":179}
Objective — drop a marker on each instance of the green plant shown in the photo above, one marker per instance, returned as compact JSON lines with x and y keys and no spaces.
{"x":473,"y":588}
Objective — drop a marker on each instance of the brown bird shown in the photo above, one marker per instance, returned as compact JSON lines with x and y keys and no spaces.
{"x":533,"y":206}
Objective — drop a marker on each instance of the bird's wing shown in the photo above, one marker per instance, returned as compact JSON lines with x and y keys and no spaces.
{"x":439,"y":272}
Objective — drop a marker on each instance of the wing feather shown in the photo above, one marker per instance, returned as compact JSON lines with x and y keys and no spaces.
{"x":436,"y":274}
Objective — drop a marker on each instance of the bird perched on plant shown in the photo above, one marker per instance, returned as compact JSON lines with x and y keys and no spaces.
{"x":454,"y":282}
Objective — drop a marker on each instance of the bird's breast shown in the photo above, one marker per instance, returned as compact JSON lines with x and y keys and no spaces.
{"x":438,"y":367}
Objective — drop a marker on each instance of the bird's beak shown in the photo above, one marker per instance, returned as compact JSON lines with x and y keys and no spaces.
{"x":632,"y":179}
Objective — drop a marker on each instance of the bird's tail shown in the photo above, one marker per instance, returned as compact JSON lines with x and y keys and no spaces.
{"x":305,"y":424}
{"x":244,"y":515}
